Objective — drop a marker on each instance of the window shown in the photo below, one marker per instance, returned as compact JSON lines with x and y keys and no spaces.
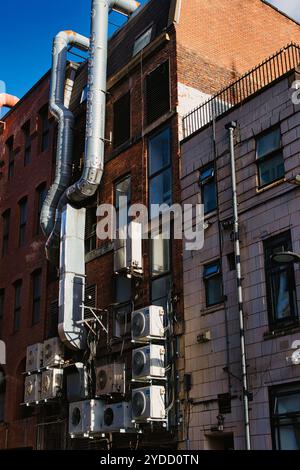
{"x":2,"y":394}
{"x":36,"y":280}
{"x":27,"y":143}
{"x":41,"y":194}
{"x":121,"y":131}
{"x":160,"y":256}
{"x":52,"y":320}
{"x":2,"y":297}
{"x":285,"y":417}
{"x":212,"y":276}
{"x":6,"y":225}
{"x":142,"y":41}
{"x":231,"y":261}
{"x":44,"y":126}
{"x":158,"y":93}
{"x":269,"y":157}
{"x":207,"y":183}
{"x":10,"y":157}
{"x":160,"y":291}
{"x":83,"y":97}
{"x":17,"y":307}
{"x":160,"y":171}
{"x":280,"y":283}
{"x":122,"y":189}
{"x":90,"y":230}
{"x":23,"y":220}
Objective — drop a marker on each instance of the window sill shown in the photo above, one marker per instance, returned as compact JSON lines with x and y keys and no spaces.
{"x":274,"y":184}
{"x":283,"y":331}
{"x":214,"y":308}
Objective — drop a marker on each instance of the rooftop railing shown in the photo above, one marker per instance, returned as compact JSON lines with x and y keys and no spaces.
{"x":283,"y":61}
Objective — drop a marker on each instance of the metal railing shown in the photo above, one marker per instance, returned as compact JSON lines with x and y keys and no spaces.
{"x":257,"y":78}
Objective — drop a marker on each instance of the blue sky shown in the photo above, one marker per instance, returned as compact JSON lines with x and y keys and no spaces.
{"x":28,"y":28}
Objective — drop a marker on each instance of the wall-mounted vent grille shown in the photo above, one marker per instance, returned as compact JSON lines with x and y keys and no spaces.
{"x":158,"y":93}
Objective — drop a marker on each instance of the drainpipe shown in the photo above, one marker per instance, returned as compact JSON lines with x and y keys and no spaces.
{"x":65,"y":118}
{"x":91,"y":176}
{"x":8,"y":101}
{"x":231,"y":128}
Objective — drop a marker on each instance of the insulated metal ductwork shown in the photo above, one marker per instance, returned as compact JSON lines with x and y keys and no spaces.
{"x":58,"y":108}
{"x":8,"y":101}
{"x":69,"y":235}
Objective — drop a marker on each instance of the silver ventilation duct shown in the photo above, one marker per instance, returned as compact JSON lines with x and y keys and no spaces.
{"x":72,"y":244}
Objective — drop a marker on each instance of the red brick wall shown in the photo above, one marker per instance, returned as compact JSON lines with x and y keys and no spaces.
{"x":230,"y":34}
{"x":19,"y":263}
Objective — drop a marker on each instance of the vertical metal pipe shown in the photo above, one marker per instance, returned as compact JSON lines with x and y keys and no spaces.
{"x":231,"y":127}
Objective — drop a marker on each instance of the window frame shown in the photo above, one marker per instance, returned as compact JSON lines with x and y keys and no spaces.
{"x":207,"y":278}
{"x":90,"y":237}
{"x":6,"y":218}
{"x":44,"y":128}
{"x":118,"y":144}
{"x":40,"y":190}
{"x":168,"y":167}
{"x":117,"y":209}
{"x":151,"y":121}
{"x":17,"y":305}
{"x":148,"y":29}
{"x":269,"y":156}
{"x":23,"y":202}
{"x":27,"y":142}
{"x":9,"y":144}
{"x":272,"y":268}
{"x":36,"y":297}
{"x":204,"y":182}
{"x":275,"y":392}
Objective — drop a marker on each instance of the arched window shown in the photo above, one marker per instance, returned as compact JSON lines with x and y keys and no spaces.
{"x":2,"y":394}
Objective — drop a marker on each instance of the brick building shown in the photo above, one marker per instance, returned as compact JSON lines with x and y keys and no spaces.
{"x":156,"y":72}
{"x":267,"y":165}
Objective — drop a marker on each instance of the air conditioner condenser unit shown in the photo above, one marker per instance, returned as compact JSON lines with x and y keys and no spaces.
{"x":148,"y":404}
{"x":148,"y":361}
{"x":53,"y":352}
{"x":77,"y":382}
{"x":34,"y":357}
{"x":128,"y":250}
{"x":148,"y":322}
{"x":117,"y":417}
{"x":52,"y":383}
{"x":32,"y":388}
{"x":110,"y":379}
{"x":85,"y":417}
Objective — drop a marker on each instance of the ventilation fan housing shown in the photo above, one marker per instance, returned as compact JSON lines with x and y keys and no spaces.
{"x":116,"y":417}
{"x":53,"y":352}
{"x":34,"y":357}
{"x":148,"y":404}
{"x":52,"y":383}
{"x":32,"y":388}
{"x":110,"y":379}
{"x":148,"y":322}
{"x":85,"y":417}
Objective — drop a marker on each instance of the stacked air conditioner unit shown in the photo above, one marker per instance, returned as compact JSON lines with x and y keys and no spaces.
{"x":117,"y":417}
{"x":128,"y":250}
{"x":85,"y":417}
{"x":34,"y":357}
{"x":148,"y":404}
{"x":110,"y":379}
{"x":53,"y":352}
{"x":52,"y":384}
{"x":77,"y":382}
{"x":32,"y":389}
{"x":148,"y":323}
{"x":148,"y":362}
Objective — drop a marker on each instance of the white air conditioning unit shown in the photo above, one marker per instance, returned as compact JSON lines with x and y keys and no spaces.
{"x":148,"y":361}
{"x":52,"y":383}
{"x":32,"y":388}
{"x":148,"y":404}
{"x":85,"y":417}
{"x":77,"y":382}
{"x":110,"y":379}
{"x":128,"y":251}
{"x":34,"y":357}
{"x":147,"y":322}
{"x":53,"y":352}
{"x":116,"y":417}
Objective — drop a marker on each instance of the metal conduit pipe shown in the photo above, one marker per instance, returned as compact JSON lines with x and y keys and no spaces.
{"x":231,"y":128}
{"x":91,"y":176}
{"x":65,"y":119}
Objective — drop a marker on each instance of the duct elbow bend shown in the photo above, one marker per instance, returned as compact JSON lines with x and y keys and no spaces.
{"x":126,"y":7}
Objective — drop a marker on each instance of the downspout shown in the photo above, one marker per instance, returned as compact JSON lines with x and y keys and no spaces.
{"x":65,"y":118}
{"x":231,"y":128}
{"x":91,"y":176}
